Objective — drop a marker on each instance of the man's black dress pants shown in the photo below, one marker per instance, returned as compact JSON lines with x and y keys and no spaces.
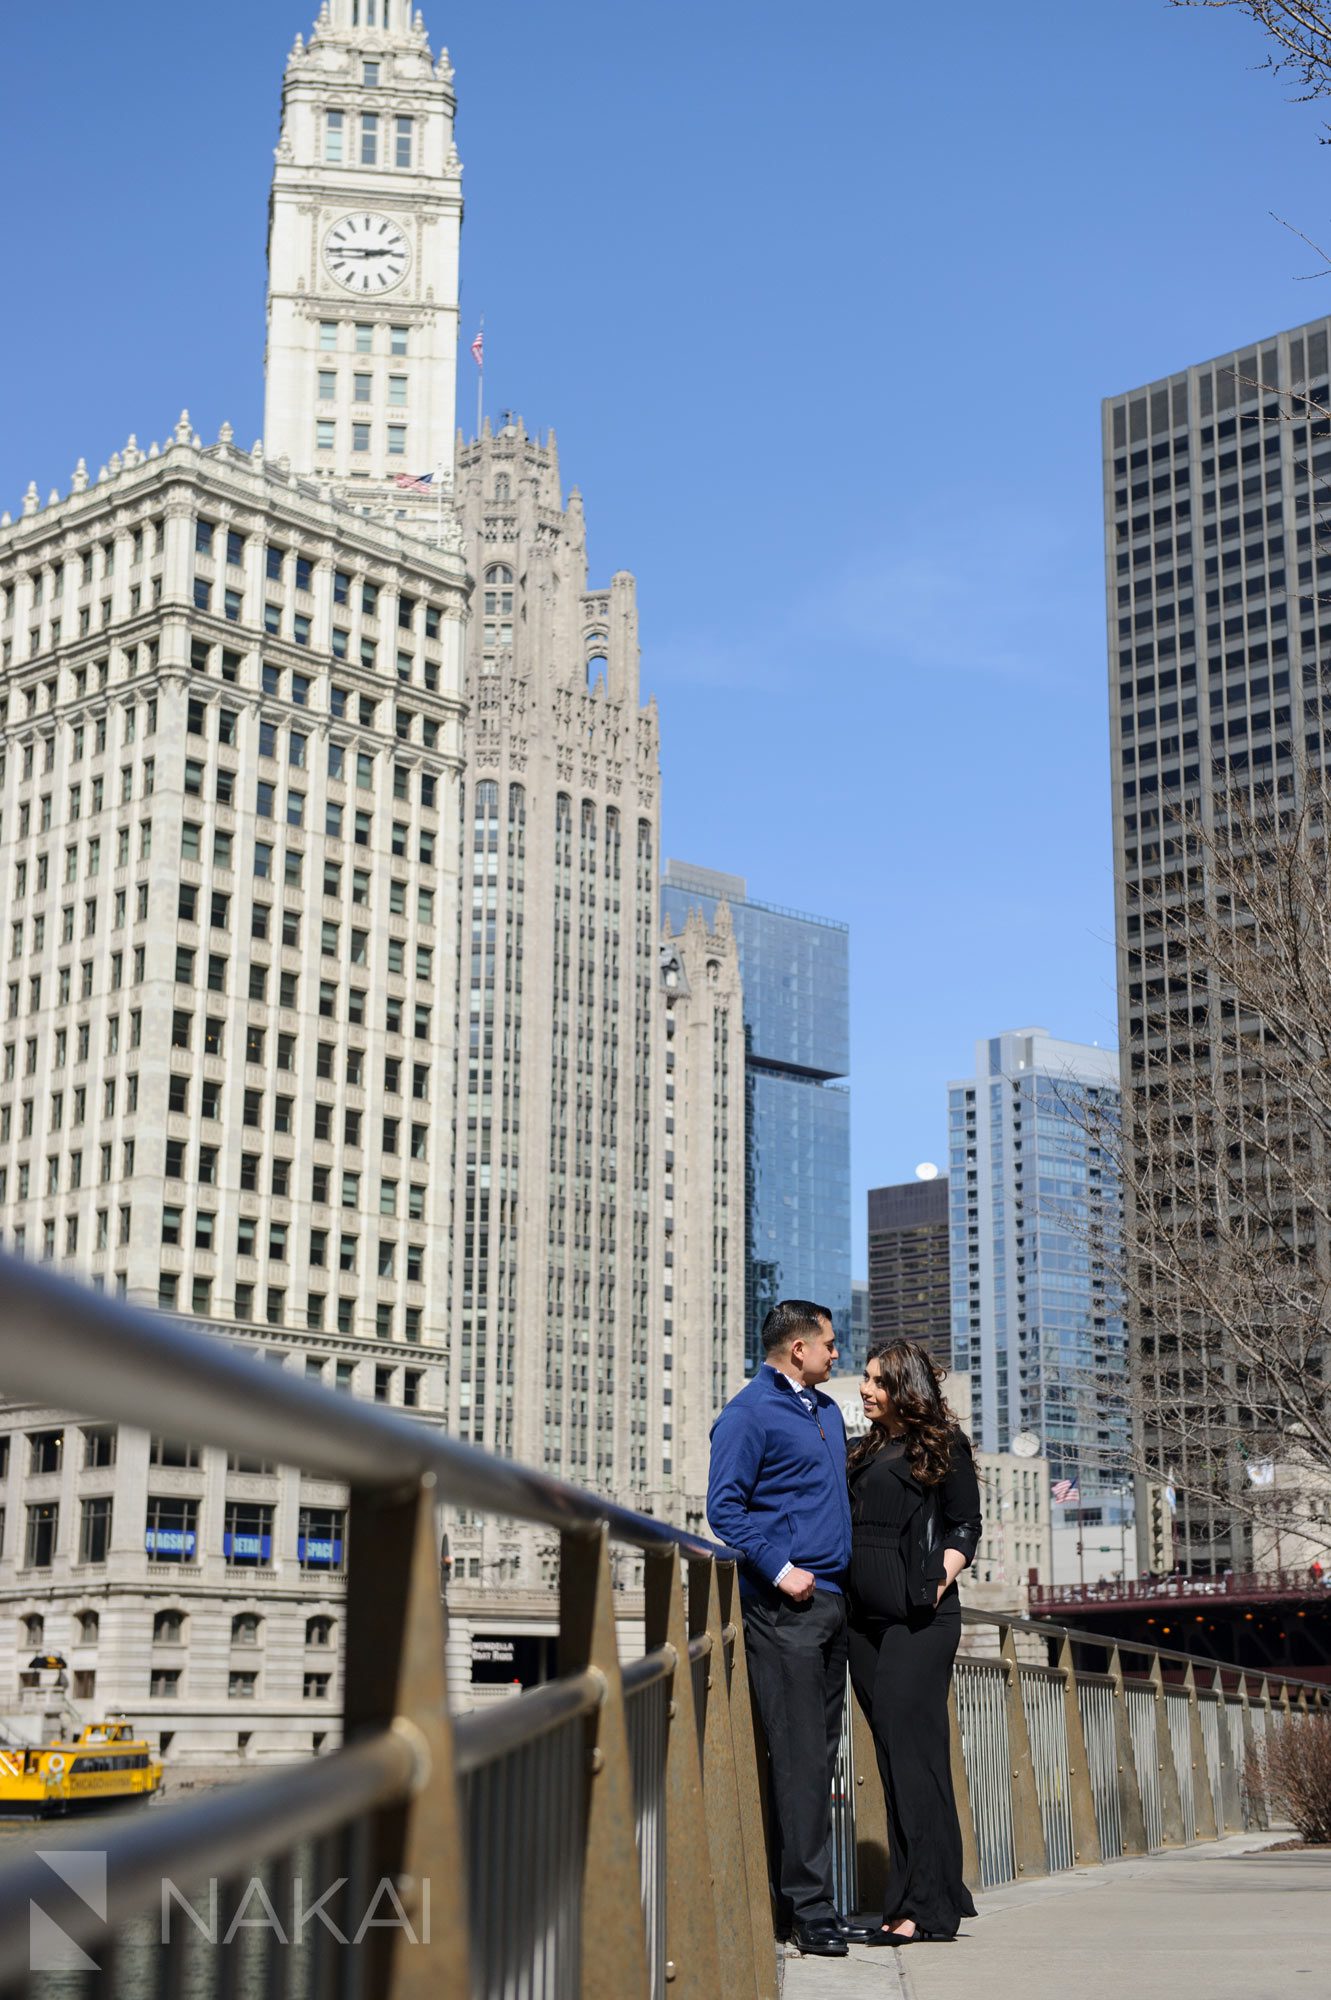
{"x":797,"y":1665}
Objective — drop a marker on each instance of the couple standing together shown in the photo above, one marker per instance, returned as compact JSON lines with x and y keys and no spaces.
{"x":850,"y":1557}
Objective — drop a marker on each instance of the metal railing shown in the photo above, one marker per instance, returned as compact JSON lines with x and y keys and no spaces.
{"x":600,"y":1837}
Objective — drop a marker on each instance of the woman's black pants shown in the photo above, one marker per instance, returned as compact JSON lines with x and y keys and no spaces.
{"x":900,"y":1670}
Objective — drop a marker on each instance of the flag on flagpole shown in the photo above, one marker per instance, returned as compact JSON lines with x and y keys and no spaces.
{"x":478,"y":347}
{"x":414,"y":482}
{"x":1066,"y":1493}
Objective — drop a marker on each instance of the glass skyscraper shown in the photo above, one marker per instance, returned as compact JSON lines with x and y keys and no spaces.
{"x":1035,"y":1209}
{"x":796,"y":974}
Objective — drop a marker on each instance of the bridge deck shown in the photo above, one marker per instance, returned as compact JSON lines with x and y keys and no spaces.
{"x":1220,"y":1922}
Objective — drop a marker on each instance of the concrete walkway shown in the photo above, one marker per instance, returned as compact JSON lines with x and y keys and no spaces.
{"x":1220,"y":1922}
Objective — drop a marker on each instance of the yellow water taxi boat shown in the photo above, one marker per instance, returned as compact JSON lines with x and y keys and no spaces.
{"x":105,"y":1765}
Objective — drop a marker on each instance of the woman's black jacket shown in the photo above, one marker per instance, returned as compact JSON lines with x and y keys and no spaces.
{"x":945,"y":1516}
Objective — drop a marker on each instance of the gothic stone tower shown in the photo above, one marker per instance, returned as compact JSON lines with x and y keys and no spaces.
{"x":364,"y":221}
{"x":702,"y":1077}
{"x":557,"y":1298}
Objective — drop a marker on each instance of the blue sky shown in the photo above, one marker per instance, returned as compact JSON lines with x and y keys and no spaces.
{"x":822,"y":305}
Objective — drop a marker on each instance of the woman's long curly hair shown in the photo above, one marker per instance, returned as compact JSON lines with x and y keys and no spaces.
{"x":915,"y":1384}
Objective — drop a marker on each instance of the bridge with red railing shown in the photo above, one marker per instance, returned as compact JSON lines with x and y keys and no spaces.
{"x":1275,"y":1620}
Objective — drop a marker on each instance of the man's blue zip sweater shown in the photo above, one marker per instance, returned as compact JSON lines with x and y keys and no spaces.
{"x":777,"y":1488}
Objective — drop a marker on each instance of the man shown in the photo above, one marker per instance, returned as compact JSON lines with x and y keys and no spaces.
{"x":777,"y":1494}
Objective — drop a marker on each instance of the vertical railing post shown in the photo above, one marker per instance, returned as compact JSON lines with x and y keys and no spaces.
{"x":1171,"y":1798}
{"x":614,"y":1936}
{"x":961,"y":1787}
{"x":870,"y":1813}
{"x":1027,"y":1825}
{"x":1203,"y":1798}
{"x":692,"y":1963}
{"x":396,"y":1632}
{"x":1131,"y":1817}
{"x":1253,"y":1794}
{"x":744,"y":1742}
{"x":1231,"y":1808}
{"x":725,"y":1835}
{"x":1085,"y":1830}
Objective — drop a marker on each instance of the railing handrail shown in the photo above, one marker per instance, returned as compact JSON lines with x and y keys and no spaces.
{"x":86,"y":1352}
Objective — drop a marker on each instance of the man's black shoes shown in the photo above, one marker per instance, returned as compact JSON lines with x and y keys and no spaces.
{"x":855,"y":1931}
{"x":821,"y":1938}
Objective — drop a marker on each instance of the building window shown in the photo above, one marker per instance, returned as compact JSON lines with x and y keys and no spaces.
{"x":369,"y":139}
{"x":99,"y":1446}
{"x":397,"y":391}
{"x":95,"y":1531}
{"x":317,"y":1686}
{"x":397,"y":440}
{"x":328,"y":336}
{"x":242,"y":1685}
{"x":405,"y":132}
{"x":170,"y":1529}
{"x":43,"y":1526}
{"x":360,"y":437}
{"x":46,"y":1451}
{"x":327,"y":385}
{"x":318,"y":1631}
{"x":334,"y":129}
{"x":397,"y":339}
{"x":247,"y":1540}
{"x":164,"y":1683}
{"x":321,"y":1542}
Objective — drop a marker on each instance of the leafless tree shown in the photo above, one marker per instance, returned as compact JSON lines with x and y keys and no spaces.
{"x":1301,"y":32}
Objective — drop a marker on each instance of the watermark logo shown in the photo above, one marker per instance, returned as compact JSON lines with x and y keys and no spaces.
{"x":83,"y":1872}
{"x":389,"y":1907}
{"x":399,"y":1903}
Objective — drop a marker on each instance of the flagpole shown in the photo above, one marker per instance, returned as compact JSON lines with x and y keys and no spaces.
{"x":480,"y":381}
{"x":439,"y":525}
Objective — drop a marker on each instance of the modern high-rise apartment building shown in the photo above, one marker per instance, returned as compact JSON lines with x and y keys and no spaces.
{"x":1214,"y":478}
{"x":796,"y":977}
{"x":910,"y":1285}
{"x":1037,"y":1314}
{"x":260,"y":1063}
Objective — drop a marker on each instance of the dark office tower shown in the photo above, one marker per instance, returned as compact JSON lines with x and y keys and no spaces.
{"x":909,"y":1266}
{"x":1213,"y":481}
{"x":795,"y":973}
{"x":857,"y":1347}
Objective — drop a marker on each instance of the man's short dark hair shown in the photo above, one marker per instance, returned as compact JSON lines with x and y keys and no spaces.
{"x":791,"y":1319}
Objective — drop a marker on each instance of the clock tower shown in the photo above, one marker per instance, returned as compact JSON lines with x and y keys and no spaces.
{"x":364,"y":220}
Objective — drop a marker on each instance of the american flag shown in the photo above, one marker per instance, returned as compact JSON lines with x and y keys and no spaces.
{"x":478,"y":349}
{"x":1066,"y":1493}
{"x":414,"y":482}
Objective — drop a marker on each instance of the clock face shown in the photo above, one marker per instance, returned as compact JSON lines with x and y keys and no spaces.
{"x":366,"y":254}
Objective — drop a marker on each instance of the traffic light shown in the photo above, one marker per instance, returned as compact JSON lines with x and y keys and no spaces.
{"x":1160,"y":1523}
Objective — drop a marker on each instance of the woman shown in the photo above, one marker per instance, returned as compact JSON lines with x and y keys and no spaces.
{"x":915,"y":1524}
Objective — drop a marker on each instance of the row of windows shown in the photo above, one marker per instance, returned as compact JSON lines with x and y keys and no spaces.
{"x":383,"y":141}
{"x":348,"y":589}
{"x":362,"y":389}
{"x":325,"y":437}
{"x":171,"y":1533}
{"x":362,"y":338}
